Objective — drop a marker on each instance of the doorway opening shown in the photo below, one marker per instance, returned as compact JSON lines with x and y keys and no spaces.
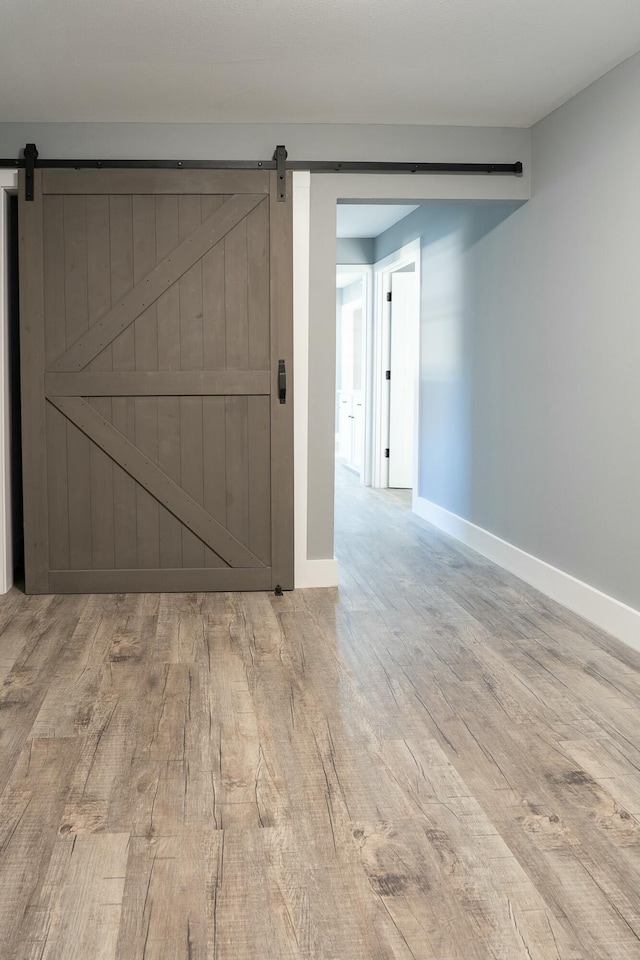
{"x":377,"y":357}
{"x":377,"y":347}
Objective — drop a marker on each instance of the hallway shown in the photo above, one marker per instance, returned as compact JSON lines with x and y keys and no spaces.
{"x":432,"y":762}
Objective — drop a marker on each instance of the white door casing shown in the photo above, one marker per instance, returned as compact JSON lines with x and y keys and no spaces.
{"x":406,"y":256}
{"x":403,"y":366}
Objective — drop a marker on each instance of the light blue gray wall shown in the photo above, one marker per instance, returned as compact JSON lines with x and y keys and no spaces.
{"x":530,"y":394}
{"x":447,"y":333}
{"x":404,"y":231}
{"x":355,"y":250}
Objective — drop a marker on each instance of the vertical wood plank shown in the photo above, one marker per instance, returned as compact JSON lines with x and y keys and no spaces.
{"x":168,"y":305}
{"x":214,"y":465}
{"x":58,"y":489}
{"x":99,"y":301}
{"x":191,"y":472}
{"x":34,"y":457}
{"x":75,"y":267}
{"x":99,"y":270}
{"x":32,"y":804}
{"x":82,"y":898}
{"x":79,"y":493}
{"x":184,"y":868}
{"x":55,"y":337}
{"x":281,"y":274}
{"x":213,"y":297}
{"x":145,"y":327}
{"x":23,"y":689}
{"x":145,"y":331}
{"x":169,"y":461}
{"x":123,"y":414}
{"x":237,"y":468}
{"x":259,"y":477}
{"x":191,"y":348}
{"x":147,"y":508}
{"x":213,"y":358}
{"x":191,"y":331}
{"x":258,"y":306}
{"x":168,"y":319}
{"x":236,"y":298}
{"x":77,"y":322}
{"x":74,"y":675}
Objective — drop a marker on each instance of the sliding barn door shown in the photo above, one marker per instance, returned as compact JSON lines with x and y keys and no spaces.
{"x":156,"y":309}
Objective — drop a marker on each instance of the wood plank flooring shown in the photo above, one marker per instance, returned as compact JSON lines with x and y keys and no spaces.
{"x":432,"y":762}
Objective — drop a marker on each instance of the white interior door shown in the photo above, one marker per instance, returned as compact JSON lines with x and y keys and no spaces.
{"x":404,"y":359}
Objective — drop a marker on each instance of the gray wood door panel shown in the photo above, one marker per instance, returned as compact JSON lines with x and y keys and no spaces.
{"x":86,"y":343}
{"x":157,"y":317}
{"x":180,"y":502}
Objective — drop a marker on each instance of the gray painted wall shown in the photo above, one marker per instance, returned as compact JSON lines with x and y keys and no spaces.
{"x":530,"y":394}
{"x":239,"y":141}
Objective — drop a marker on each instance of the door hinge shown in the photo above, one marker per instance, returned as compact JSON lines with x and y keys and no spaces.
{"x":389,"y":296}
{"x":387,"y":374}
{"x":386,"y":452}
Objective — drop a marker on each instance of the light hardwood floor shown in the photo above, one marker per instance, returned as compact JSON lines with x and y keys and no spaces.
{"x":432,"y":762}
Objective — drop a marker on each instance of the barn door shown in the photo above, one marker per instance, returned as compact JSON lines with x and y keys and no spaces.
{"x":155,"y":316}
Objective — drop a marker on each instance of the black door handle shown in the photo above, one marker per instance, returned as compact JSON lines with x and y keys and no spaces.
{"x":282,"y":382}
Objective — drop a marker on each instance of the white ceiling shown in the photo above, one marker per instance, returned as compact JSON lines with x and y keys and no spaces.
{"x":495,"y":62}
{"x":368,"y":219}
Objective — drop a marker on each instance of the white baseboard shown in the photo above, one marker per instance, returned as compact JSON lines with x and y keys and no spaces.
{"x":317,"y":573}
{"x":611,"y":615}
